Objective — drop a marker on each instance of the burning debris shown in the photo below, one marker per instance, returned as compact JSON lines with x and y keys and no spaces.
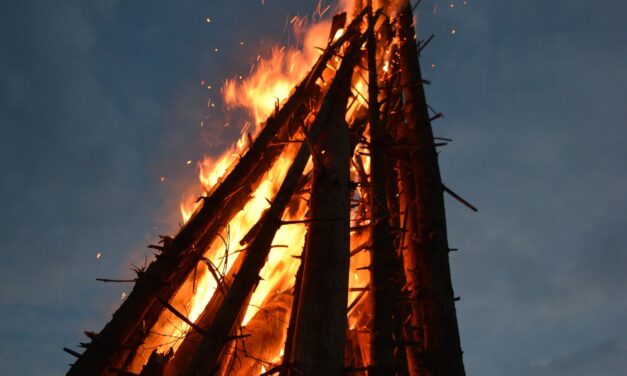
{"x":320,"y":245}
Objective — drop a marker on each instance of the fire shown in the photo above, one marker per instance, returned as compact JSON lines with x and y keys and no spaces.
{"x":271,"y":82}
{"x":273,"y":79}
{"x":229,"y":294}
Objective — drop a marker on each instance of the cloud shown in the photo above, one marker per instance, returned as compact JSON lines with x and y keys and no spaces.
{"x":608,"y":358}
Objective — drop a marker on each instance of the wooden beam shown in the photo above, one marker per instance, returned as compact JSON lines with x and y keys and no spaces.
{"x":320,"y":328}
{"x":433,"y":320}
{"x":382,"y":251}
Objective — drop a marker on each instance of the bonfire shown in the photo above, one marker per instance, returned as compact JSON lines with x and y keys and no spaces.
{"x":319,"y":245}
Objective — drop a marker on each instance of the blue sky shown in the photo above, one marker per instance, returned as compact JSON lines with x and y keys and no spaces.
{"x":99,"y":99}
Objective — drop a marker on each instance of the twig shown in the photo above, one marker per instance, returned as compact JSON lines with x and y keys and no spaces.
{"x":72,"y":352}
{"x":425,"y":43}
{"x":459,"y":198}
{"x":117,"y":280}
{"x":180,"y":316}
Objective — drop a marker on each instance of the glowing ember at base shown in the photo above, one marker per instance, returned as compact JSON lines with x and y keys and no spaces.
{"x":318,"y":246}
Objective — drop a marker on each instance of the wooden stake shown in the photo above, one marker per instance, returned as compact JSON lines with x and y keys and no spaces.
{"x":433,"y":319}
{"x":382,"y":252}
{"x":320,"y":329}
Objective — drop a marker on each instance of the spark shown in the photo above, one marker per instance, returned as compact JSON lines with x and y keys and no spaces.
{"x":208,"y":20}
{"x":189,"y":162}
{"x":162,"y":179}
{"x":98,"y":255}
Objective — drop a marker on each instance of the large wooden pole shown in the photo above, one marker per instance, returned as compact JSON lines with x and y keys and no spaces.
{"x":434,"y":321}
{"x":382,"y":261}
{"x":320,"y":329}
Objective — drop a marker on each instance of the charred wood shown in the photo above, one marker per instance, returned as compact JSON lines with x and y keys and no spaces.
{"x":433,"y":317}
{"x":382,"y":252}
{"x":320,"y":329}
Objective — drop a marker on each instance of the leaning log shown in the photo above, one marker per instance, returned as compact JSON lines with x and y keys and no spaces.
{"x":289,"y":337}
{"x":434,"y":321}
{"x":320,"y":330}
{"x":382,"y":263}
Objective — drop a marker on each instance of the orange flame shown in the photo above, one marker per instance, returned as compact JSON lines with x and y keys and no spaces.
{"x":271,"y":82}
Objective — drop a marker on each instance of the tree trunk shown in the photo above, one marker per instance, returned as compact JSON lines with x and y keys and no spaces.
{"x":434,"y":321}
{"x":382,"y":253}
{"x":320,"y":330}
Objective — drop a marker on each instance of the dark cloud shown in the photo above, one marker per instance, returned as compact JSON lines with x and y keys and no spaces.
{"x":99,"y":99}
{"x":606,"y":358}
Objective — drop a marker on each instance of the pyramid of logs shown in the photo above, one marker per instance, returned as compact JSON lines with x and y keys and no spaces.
{"x":363,"y":166}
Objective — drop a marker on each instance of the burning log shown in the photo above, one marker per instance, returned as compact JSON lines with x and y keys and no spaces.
{"x":320,"y":327}
{"x":433,"y":318}
{"x":382,"y":266}
{"x":287,"y":349}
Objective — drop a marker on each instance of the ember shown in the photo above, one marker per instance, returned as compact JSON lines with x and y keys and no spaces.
{"x":319,"y":245}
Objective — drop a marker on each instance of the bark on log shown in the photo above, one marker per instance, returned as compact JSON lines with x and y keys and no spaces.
{"x":320,"y":330}
{"x":401,"y":310}
{"x":433,"y":319}
{"x":287,"y":349}
{"x":382,"y":252}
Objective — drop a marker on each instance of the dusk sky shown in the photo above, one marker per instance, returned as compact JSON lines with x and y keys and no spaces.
{"x":101,"y":98}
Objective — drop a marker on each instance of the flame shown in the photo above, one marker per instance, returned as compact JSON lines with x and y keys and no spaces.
{"x":272,"y":80}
